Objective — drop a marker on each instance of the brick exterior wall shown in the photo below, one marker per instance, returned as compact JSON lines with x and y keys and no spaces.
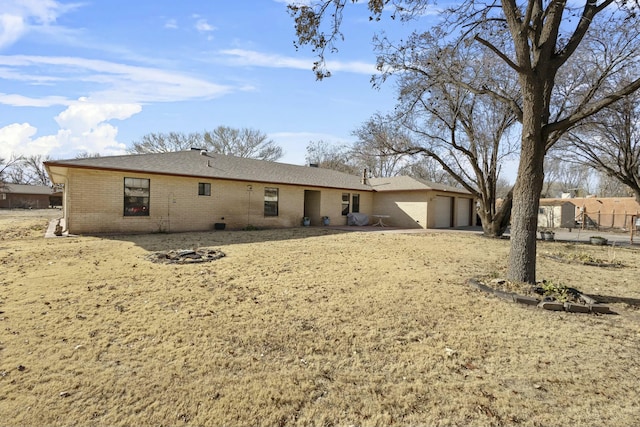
{"x":94,"y":203}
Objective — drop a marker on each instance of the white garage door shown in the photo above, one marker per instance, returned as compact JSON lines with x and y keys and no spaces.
{"x":443,"y":211}
{"x":463,"y":211}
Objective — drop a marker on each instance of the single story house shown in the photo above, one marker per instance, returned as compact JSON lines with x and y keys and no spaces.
{"x":194,"y":190}
{"x":14,"y":196}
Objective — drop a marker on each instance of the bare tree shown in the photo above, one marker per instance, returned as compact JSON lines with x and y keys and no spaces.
{"x":328,"y":156}
{"x":6,"y":167}
{"x":34,"y":170}
{"x":535,"y":40}
{"x":244,"y":142}
{"x":374,"y":149}
{"x":426,"y":168}
{"x":609,"y":186}
{"x":87,"y":155}
{"x":165,"y":142}
{"x":610,"y":143}
{"x":468,"y":134}
{"x":563,"y":176}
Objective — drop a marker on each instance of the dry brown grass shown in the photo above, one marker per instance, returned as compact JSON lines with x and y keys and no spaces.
{"x":304,"y":327}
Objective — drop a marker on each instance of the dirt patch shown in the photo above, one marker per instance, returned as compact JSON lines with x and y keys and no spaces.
{"x":186,"y":256}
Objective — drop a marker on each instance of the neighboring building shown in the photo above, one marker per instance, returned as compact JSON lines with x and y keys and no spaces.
{"x":414,"y":203}
{"x":15,"y":196}
{"x":193,"y":190}
{"x":556,"y":213}
{"x":594,"y":212}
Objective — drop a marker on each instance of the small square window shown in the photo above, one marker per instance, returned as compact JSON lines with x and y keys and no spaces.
{"x":204,"y":189}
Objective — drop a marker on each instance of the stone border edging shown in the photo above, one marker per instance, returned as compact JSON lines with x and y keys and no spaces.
{"x":592,"y":305}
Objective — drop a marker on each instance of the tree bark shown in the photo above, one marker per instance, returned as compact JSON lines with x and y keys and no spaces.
{"x":495,"y":224}
{"x":526,"y":197}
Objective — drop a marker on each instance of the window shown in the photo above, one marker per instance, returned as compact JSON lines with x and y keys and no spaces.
{"x":204,"y":189}
{"x":270,"y":201}
{"x":136,"y":197}
{"x":345,"y":203}
{"x":355,"y":203}
{"x":3,"y":196}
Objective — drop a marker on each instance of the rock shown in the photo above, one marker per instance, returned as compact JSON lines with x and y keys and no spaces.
{"x":552,"y":305}
{"x":576,"y":308}
{"x":525,"y":300}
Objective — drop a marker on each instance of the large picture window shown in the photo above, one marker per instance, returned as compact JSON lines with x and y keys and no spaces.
{"x":204,"y":189}
{"x":136,"y":197}
{"x":270,"y":201}
{"x":345,"y":203}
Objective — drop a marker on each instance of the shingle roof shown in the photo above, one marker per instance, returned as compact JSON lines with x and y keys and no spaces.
{"x":25,"y":189}
{"x":407,"y":183}
{"x":209,"y":165}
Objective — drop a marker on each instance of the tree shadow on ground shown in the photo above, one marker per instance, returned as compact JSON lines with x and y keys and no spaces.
{"x":185,"y":240}
{"x":610,"y":299}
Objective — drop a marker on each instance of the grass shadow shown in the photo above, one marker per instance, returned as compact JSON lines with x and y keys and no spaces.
{"x":610,"y":299}
{"x":186,"y":240}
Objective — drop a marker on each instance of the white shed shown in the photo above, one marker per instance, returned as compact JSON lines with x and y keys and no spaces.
{"x":556,"y":213}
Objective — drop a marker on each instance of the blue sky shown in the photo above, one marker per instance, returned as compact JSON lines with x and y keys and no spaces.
{"x":95,"y":75}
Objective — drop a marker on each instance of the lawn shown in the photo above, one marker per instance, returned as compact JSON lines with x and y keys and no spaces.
{"x":305,"y":326}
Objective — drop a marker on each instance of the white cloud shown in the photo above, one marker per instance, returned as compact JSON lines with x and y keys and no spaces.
{"x":257,"y":59}
{"x":21,"y":16}
{"x":203,"y":26}
{"x":171,"y":24}
{"x":111,"y":82}
{"x":84,"y":127}
{"x":12,"y":27}
{"x":24,"y":101}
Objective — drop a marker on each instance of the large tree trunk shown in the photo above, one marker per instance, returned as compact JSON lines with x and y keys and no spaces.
{"x":526,"y":197}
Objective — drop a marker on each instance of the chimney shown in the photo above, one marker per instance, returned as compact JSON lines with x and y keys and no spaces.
{"x":365,"y":180}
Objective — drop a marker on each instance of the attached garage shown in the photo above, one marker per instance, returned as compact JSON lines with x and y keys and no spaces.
{"x":414,"y":203}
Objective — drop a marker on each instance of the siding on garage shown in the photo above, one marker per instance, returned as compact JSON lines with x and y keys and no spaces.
{"x":443,"y":212}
